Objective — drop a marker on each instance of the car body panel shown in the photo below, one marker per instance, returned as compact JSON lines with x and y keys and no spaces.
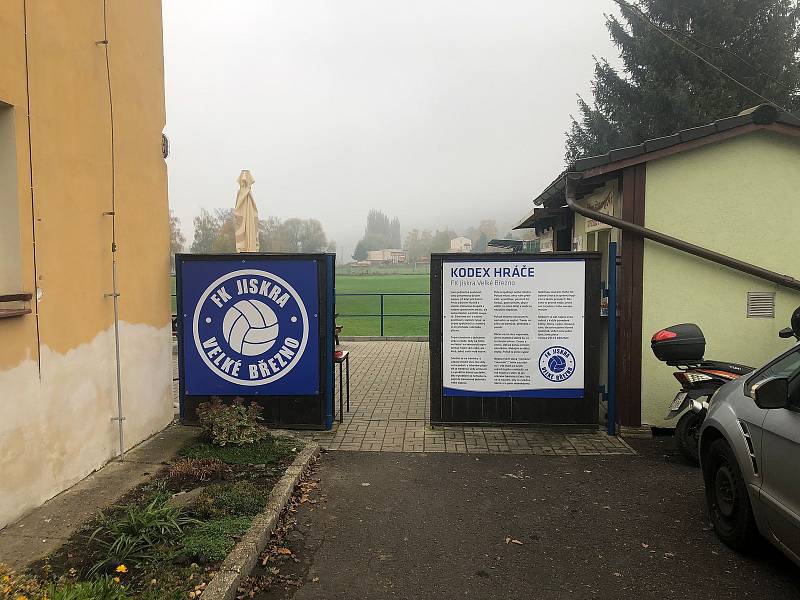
{"x":781,"y":488}
{"x":766,"y":444}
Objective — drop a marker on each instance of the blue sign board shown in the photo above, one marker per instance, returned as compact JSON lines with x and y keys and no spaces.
{"x":250,"y":327}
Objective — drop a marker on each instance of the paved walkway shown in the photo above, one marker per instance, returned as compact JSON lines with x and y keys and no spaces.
{"x":390,"y":412}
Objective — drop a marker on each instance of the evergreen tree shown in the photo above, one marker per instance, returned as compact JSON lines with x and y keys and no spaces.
{"x":381,"y":233}
{"x":480,"y":244}
{"x":664,"y":88}
{"x":394,"y":233}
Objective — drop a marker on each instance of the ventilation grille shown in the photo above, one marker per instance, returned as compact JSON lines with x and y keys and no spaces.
{"x":760,"y":305}
{"x":750,"y":450}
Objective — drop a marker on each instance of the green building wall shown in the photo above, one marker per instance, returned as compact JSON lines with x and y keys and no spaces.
{"x":740,"y":197}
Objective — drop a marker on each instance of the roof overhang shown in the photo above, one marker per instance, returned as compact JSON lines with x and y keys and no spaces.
{"x":542,"y":218}
{"x":513,"y":245}
{"x":592,"y":170}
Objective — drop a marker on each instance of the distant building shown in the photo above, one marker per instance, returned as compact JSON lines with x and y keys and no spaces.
{"x":461,"y":244}
{"x":387,"y":255}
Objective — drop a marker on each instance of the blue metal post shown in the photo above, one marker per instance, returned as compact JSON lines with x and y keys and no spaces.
{"x":612,"y":339}
{"x":330,"y":301}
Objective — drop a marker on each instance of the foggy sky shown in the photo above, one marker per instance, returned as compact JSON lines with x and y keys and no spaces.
{"x":439,"y":112}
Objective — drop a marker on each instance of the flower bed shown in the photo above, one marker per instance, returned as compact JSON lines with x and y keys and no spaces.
{"x":165,"y":539}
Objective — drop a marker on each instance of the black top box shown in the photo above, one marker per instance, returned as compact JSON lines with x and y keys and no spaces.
{"x":679,"y":343}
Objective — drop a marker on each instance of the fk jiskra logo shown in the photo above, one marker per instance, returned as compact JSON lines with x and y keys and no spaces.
{"x":557,"y":364}
{"x":250,"y":327}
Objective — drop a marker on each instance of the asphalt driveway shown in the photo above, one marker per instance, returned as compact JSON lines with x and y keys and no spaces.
{"x":382,"y":525}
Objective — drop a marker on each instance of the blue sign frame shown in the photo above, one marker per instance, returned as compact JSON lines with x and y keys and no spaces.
{"x":557,"y":406}
{"x":258,"y":326}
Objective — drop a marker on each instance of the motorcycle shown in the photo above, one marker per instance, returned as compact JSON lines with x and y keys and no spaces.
{"x":683,"y":347}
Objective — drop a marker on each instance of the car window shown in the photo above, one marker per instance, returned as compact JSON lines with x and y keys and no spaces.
{"x":787,"y":366}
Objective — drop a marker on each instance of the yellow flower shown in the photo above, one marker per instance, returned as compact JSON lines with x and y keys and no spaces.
{"x":116,"y":579}
{"x":22,"y":598}
{"x":122,"y":569}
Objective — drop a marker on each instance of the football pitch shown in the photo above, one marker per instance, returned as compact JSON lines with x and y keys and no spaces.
{"x":374,"y":285}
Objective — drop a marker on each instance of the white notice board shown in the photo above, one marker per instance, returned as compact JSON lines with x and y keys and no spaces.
{"x":513,"y":328}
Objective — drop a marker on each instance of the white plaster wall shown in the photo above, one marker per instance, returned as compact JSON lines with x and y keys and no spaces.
{"x":57,"y":430}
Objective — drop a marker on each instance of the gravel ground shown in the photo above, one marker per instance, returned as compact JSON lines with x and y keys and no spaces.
{"x":446,"y":526}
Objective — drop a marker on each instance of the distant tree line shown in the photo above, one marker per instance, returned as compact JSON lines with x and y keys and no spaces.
{"x":382,"y":232}
{"x":177,"y":241}
{"x":215,"y":232}
{"x":422,"y":243}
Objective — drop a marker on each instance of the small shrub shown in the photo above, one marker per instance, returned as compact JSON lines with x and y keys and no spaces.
{"x":240,"y":498}
{"x":269,"y":451}
{"x":198,"y":469}
{"x":232,"y":423}
{"x":212,"y":541}
{"x":104,"y":588}
{"x":135,"y":536}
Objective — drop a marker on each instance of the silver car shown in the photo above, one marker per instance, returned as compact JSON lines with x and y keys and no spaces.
{"x":750,"y":456}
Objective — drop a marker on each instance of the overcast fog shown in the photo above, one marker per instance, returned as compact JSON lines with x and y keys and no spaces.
{"x":439,"y":112}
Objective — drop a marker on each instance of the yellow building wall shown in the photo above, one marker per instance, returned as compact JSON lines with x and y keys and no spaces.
{"x":740,"y":197}
{"x":57,"y":366}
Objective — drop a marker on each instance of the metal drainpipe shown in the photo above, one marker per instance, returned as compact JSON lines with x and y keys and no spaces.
{"x":120,"y":418}
{"x":667,"y":240}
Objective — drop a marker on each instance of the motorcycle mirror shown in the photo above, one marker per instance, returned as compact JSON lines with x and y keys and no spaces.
{"x":772,"y":393}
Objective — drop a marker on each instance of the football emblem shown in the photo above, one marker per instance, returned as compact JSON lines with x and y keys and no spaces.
{"x":250,"y":327}
{"x":557,"y":364}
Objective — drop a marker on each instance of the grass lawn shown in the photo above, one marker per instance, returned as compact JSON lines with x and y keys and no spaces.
{"x":393,"y":305}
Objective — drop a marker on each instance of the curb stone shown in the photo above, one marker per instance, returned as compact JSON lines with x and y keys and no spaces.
{"x":240,"y":562}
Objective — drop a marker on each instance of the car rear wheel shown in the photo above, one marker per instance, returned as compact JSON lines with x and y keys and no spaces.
{"x":726,"y":494}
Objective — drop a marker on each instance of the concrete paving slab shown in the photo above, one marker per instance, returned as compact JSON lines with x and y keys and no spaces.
{"x":390,"y":412}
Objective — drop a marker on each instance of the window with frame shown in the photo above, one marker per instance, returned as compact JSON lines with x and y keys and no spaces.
{"x":10,"y":259}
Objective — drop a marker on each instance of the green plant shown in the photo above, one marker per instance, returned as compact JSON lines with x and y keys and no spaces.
{"x":212,"y":541}
{"x":240,"y":498}
{"x":103,"y":588}
{"x":200,"y":469}
{"x":232,"y":423}
{"x":160,"y":594}
{"x":135,"y":536}
{"x":269,"y":451}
